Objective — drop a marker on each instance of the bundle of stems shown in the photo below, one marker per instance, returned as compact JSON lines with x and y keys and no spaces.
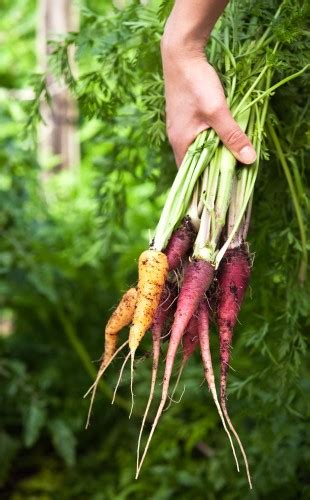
{"x":248,"y":70}
{"x":203,"y":228}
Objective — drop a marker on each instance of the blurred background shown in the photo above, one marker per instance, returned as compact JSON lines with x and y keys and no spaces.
{"x":84,"y":168}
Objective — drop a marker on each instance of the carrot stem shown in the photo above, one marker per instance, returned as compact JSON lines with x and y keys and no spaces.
{"x":298,"y":211}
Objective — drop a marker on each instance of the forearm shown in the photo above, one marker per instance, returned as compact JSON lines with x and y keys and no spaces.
{"x":190,"y":23}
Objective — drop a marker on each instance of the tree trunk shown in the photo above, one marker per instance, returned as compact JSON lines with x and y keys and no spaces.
{"x":58,"y":134}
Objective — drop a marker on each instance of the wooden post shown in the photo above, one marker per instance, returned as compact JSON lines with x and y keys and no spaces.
{"x":57,"y":136}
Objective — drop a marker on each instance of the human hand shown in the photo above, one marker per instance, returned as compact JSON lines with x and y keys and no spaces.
{"x":195,"y":101}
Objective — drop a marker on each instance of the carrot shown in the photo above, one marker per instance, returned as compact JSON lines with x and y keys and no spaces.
{"x":197,"y":278}
{"x":189,"y":343}
{"x":120,"y":318}
{"x":190,"y":339}
{"x":180,"y":242}
{"x":153,"y":271}
{"x":233,"y":279}
{"x":204,"y":340}
{"x":161,"y":316}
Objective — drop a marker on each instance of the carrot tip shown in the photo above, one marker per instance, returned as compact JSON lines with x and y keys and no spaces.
{"x":132,"y":354}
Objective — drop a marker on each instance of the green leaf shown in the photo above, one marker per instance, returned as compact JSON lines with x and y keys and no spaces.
{"x":34,"y":420}
{"x":64,"y":441}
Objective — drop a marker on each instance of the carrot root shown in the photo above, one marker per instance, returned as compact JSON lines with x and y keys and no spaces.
{"x":233,"y":430}
{"x":153,"y":270}
{"x":203,"y":332}
{"x":234,"y":275}
{"x":156,"y":353}
{"x":161,"y":315}
{"x":197,"y":278}
{"x":120,"y":377}
{"x":132,"y":358}
{"x":171,"y":400}
{"x":93,"y":387}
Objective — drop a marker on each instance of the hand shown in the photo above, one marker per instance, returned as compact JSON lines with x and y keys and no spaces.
{"x":195,"y":101}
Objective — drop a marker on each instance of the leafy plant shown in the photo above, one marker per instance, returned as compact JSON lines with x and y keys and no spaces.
{"x":69,"y":244}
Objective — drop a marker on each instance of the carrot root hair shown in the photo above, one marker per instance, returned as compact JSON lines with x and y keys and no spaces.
{"x":93,"y":387}
{"x":154,"y":425}
{"x":171,"y":400}
{"x":233,"y":430}
{"x":156,"y":353}
{"x":120,"y":377}
{"x":132,"y":359}
{"x":161,"y":316}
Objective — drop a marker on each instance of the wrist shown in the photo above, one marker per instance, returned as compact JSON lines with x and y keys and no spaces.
{"x":181,"y":40}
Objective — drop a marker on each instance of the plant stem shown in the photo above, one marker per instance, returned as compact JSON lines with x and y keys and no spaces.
{"x":249,"y":92}
{"x":276,"y":86}
{"x":203,"y":189}
{"x":193,"y":212}
{"x":227,"y":172}
{"x":251,"y":178}
{"x":246,"y":225}
{"x":297,"y":207}
{"x":198,"y":156}
{"x":209,"y":202}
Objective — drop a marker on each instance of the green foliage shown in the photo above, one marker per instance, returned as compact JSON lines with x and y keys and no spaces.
{"x":69,"y":245}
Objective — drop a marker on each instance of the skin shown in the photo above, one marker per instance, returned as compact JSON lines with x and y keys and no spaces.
{"x":195,"y":98}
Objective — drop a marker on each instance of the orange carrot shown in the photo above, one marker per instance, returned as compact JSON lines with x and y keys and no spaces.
{"x":120,"y":318}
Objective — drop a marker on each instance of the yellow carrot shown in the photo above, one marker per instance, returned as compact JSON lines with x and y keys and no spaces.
{"x":153,"y":271}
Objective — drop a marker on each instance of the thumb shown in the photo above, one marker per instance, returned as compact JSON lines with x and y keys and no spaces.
{"x":232,"y":136}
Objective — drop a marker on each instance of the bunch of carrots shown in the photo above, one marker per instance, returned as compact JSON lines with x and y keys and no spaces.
{"x":197,"y":267}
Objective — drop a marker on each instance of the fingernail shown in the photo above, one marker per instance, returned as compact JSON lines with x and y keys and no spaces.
{"x":247,"y":155}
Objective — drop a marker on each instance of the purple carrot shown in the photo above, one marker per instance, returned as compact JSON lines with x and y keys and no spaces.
{"x":189,"y":343}
{"x":233,"y":278}
{"x":180,"y":243}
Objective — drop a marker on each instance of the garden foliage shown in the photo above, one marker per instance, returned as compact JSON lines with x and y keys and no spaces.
{"x":70,"y":242}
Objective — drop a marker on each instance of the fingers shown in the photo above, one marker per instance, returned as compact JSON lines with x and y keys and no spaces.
{"x":228,"y":130}
{"x":232,"y":136}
